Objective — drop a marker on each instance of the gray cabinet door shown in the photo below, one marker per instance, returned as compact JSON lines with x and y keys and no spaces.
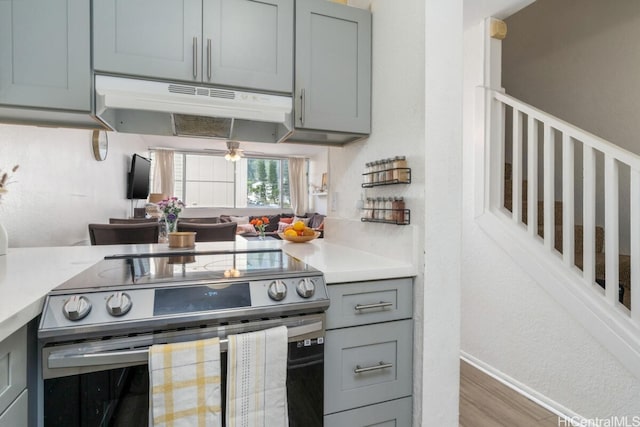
{"x":333,"y":67}
{"x":44,"y":54}
{"x":149,"y":38}
{"x":248,"y":44}
{"x":368,"y":364}
{"x":395,"y":413}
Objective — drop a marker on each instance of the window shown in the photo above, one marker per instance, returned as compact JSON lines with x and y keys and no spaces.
{"x":206,"y":180}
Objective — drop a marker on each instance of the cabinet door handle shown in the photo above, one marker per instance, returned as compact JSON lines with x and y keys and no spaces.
{"x":209,"y":59}
{"x":381,"y":365}
{"x":302,"y":106}
{"x":195,"y":57}
{"x":380,"y":304}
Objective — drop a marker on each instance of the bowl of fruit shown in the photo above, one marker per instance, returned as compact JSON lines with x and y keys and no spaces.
{"x":298,"y":233}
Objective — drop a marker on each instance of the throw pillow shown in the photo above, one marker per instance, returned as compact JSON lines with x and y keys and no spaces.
{"x":240,"y":219}
{"x":287,"y":220}
{"x":304,"y":220}
{"x":282,"y":226}
{"x":245,"y":228}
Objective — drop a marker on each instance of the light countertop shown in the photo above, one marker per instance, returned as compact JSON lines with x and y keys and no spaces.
{"x":28,"y":274}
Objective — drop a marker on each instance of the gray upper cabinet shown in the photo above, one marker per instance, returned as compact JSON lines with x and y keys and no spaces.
{"x":250,"y":43}
{"x":240,"y":43}
{"x":332,"y":67}
{"x":45,"y":54}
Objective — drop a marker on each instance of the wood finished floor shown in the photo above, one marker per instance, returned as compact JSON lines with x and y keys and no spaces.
{"x":485,"y":402}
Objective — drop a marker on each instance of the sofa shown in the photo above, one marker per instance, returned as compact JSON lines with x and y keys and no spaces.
{"x":276,"y":223}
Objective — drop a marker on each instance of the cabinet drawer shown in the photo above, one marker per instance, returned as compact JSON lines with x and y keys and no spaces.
{"x":361,"y":303}
{"x":13,"y":367}
{"x":396,"y":413}
{"x":17,"y":415}
{"x":367,"y":364}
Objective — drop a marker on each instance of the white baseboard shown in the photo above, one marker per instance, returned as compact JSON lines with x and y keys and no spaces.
{"x":526,"y":391}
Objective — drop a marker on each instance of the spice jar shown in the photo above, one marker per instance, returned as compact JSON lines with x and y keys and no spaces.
{"x":388,"y":209}
{"x":399,"y":169}
{"x":399,"y":210}
{"x":382,"y":171}
{"x":366,"y":177}
{"x":378,"y":210}
{"x":388,"y":175}
{"x":374,"y":172}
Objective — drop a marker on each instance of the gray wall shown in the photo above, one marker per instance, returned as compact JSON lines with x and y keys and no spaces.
{"x":579,"y":60}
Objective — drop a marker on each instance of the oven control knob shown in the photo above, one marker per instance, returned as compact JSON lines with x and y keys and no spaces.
{"x":76,"y":307}
{"x":277,"y":290}
{"x":305,"y":288}
{"x":119,"y":304}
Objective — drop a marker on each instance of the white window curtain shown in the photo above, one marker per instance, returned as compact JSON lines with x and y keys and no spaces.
{"x":163,"y":174}
{"x":298,"y":185}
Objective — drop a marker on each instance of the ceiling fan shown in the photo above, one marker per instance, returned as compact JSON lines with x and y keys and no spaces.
{"x":234,"y":152}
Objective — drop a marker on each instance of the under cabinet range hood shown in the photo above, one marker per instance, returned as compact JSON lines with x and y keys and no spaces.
{"x":180,"y":109}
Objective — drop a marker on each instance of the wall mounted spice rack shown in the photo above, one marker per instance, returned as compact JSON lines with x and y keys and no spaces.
{"x":399,"y":216}
{"x":403,"y":176}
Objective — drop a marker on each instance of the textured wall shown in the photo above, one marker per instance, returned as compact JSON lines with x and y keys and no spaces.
{"x":60,"y":188}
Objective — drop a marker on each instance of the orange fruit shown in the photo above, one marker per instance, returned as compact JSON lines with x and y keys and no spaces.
{"x":308,"y":232}
{"x":298,"y":225}
{"x":290,"y":232}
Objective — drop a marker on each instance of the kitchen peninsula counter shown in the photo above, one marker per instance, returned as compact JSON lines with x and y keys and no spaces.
{"x":28,"y":274}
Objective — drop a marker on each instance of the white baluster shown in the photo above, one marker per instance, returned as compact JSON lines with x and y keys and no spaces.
{"x":532,"y":176}
{"x":549,"y":193}
{"x":589,"y":214}
{"x":611,"y":228}
{"x":568,"y":218}
{"x":516,"y":167}
{"x":634,"y":236}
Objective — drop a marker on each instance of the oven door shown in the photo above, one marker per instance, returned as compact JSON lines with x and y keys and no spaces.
{"x":106,"y":383}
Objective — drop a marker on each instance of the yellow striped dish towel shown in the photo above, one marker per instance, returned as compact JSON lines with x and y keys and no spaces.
{"x":257,"y":379}
{"x":184,"y":383}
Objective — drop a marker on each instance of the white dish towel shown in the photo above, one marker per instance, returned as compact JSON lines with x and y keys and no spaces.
{"x":257,"y":379}
{"x":184,"y":383}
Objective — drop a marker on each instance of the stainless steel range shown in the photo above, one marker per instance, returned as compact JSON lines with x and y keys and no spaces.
{"x":96,"y":328}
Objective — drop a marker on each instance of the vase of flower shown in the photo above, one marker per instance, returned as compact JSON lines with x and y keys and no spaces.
{"x":260,"y":224}
{"x":171,"y":209}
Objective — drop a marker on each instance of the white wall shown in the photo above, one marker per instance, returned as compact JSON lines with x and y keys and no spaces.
{"x":510,"y":324}
{"x":60,"y":188}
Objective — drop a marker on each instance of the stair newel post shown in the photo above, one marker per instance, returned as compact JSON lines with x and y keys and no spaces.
{"x":549,"y":191}
{"x":568,"y":185}
{"x":589,"y":214}
{"x":516,"y":167}
{"x":635,"y":245}
{"x":532,"y":176}
{"x":611,"y":229}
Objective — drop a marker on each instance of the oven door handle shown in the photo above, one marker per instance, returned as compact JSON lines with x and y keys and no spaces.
{"x":75,"y":358}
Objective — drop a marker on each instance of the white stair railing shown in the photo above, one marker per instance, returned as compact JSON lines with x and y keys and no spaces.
{"x":499,"y":108}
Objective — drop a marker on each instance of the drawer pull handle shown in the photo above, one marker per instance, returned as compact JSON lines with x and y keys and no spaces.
{"x":381,"y":304}
{"x":378,"y":367}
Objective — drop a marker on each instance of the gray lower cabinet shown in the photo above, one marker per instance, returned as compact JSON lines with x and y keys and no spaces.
{"x":45,"y":54}
{"x":395,"y":413}
{"x":332,"y":67}
{"x":369,"y":354}
{"x":13,"y":380}
{"x":240,"y":43}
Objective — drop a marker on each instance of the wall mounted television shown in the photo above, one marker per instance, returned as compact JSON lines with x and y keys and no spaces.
{"x":138,"y":178}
